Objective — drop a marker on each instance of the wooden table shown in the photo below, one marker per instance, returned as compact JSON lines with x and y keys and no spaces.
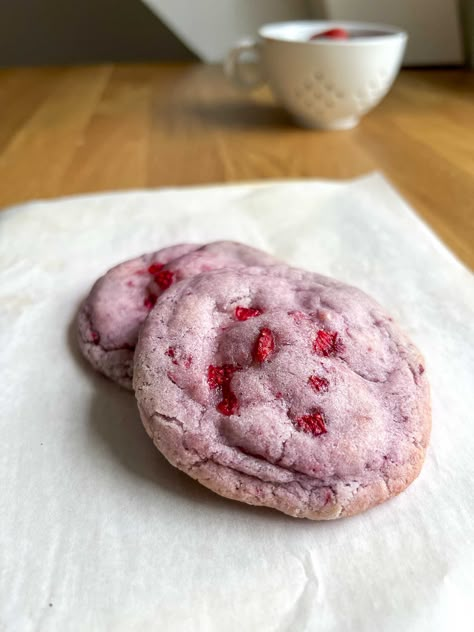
{"x":73,"y":130}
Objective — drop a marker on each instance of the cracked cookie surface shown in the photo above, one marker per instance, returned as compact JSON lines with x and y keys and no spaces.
{"x":111,"y":316}
{"x":283,"y":388}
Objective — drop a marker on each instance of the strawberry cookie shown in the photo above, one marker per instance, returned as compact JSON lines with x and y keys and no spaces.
{"x":111,"y":316}
{"x":283,"y":388}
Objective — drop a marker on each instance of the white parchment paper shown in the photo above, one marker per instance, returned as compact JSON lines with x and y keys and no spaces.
{"x":99,"y":533}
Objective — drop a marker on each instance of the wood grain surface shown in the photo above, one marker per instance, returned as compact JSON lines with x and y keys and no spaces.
{"x":74,"y":130}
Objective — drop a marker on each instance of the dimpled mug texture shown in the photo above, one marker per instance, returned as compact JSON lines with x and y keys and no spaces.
{"x":327,"y":83}
{"x":324,"y":83}
{"x":283,"y":388}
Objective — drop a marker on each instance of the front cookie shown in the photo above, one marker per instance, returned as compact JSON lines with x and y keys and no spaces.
{"x":283,"y":388}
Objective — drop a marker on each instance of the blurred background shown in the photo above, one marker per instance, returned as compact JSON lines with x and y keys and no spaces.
{"x":57,"y":32}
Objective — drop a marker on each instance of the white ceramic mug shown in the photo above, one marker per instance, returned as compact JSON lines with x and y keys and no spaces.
{"x":324,"y":83}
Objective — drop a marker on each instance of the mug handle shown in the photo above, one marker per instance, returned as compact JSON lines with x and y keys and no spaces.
{"x":246,"y":75}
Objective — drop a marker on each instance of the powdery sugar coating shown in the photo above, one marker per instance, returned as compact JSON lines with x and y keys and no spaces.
{"x":317,"y":405}
{"x":114,"y":311}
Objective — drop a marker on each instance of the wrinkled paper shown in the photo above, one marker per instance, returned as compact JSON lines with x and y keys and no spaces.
{"x":98,"y":532}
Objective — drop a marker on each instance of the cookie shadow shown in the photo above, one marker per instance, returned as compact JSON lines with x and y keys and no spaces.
{"x":115,"y":421}
{"x":240,"y":115}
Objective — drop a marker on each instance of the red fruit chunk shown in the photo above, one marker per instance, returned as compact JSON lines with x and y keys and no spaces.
{"x":229,"y":404}
{"x":264,"y":345}
{"x":171,"y":352}
{"x":220,"y":375}
{"x":150,"y":301}
{"x":164,"y":279}
{"x":155,"y":268}
{"x":326,"y":343}
{"x":336,"y":33}
{"x":320,"y":384}
{"x":244,"y":313}
{"x":214,"y":376}
{"x":314,"y":423}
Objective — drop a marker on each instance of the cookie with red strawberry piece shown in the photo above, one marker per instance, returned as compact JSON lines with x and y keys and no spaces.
{"x":283,"y":388}
{"x":110,"y":317}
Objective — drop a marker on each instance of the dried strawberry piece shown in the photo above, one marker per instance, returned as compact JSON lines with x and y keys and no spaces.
{"x":220,"y":375}
{"x":244,"y":313}
{"x":320,"y":384}
{"x":150,"y":301}
{"x":229,"y":404}
{"x":155,"y":268}
{"x":336,"y":33}
{"x":171,"y":353}
{"x":326,"y":343}
{"x":264,"y":345}
{"x":164,"y":279}
{"x":214,"y":376}
{"x":313,"y":423}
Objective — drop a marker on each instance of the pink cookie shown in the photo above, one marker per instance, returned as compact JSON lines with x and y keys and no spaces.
{"x":111,"y":316}
{"x":284,"y":388}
